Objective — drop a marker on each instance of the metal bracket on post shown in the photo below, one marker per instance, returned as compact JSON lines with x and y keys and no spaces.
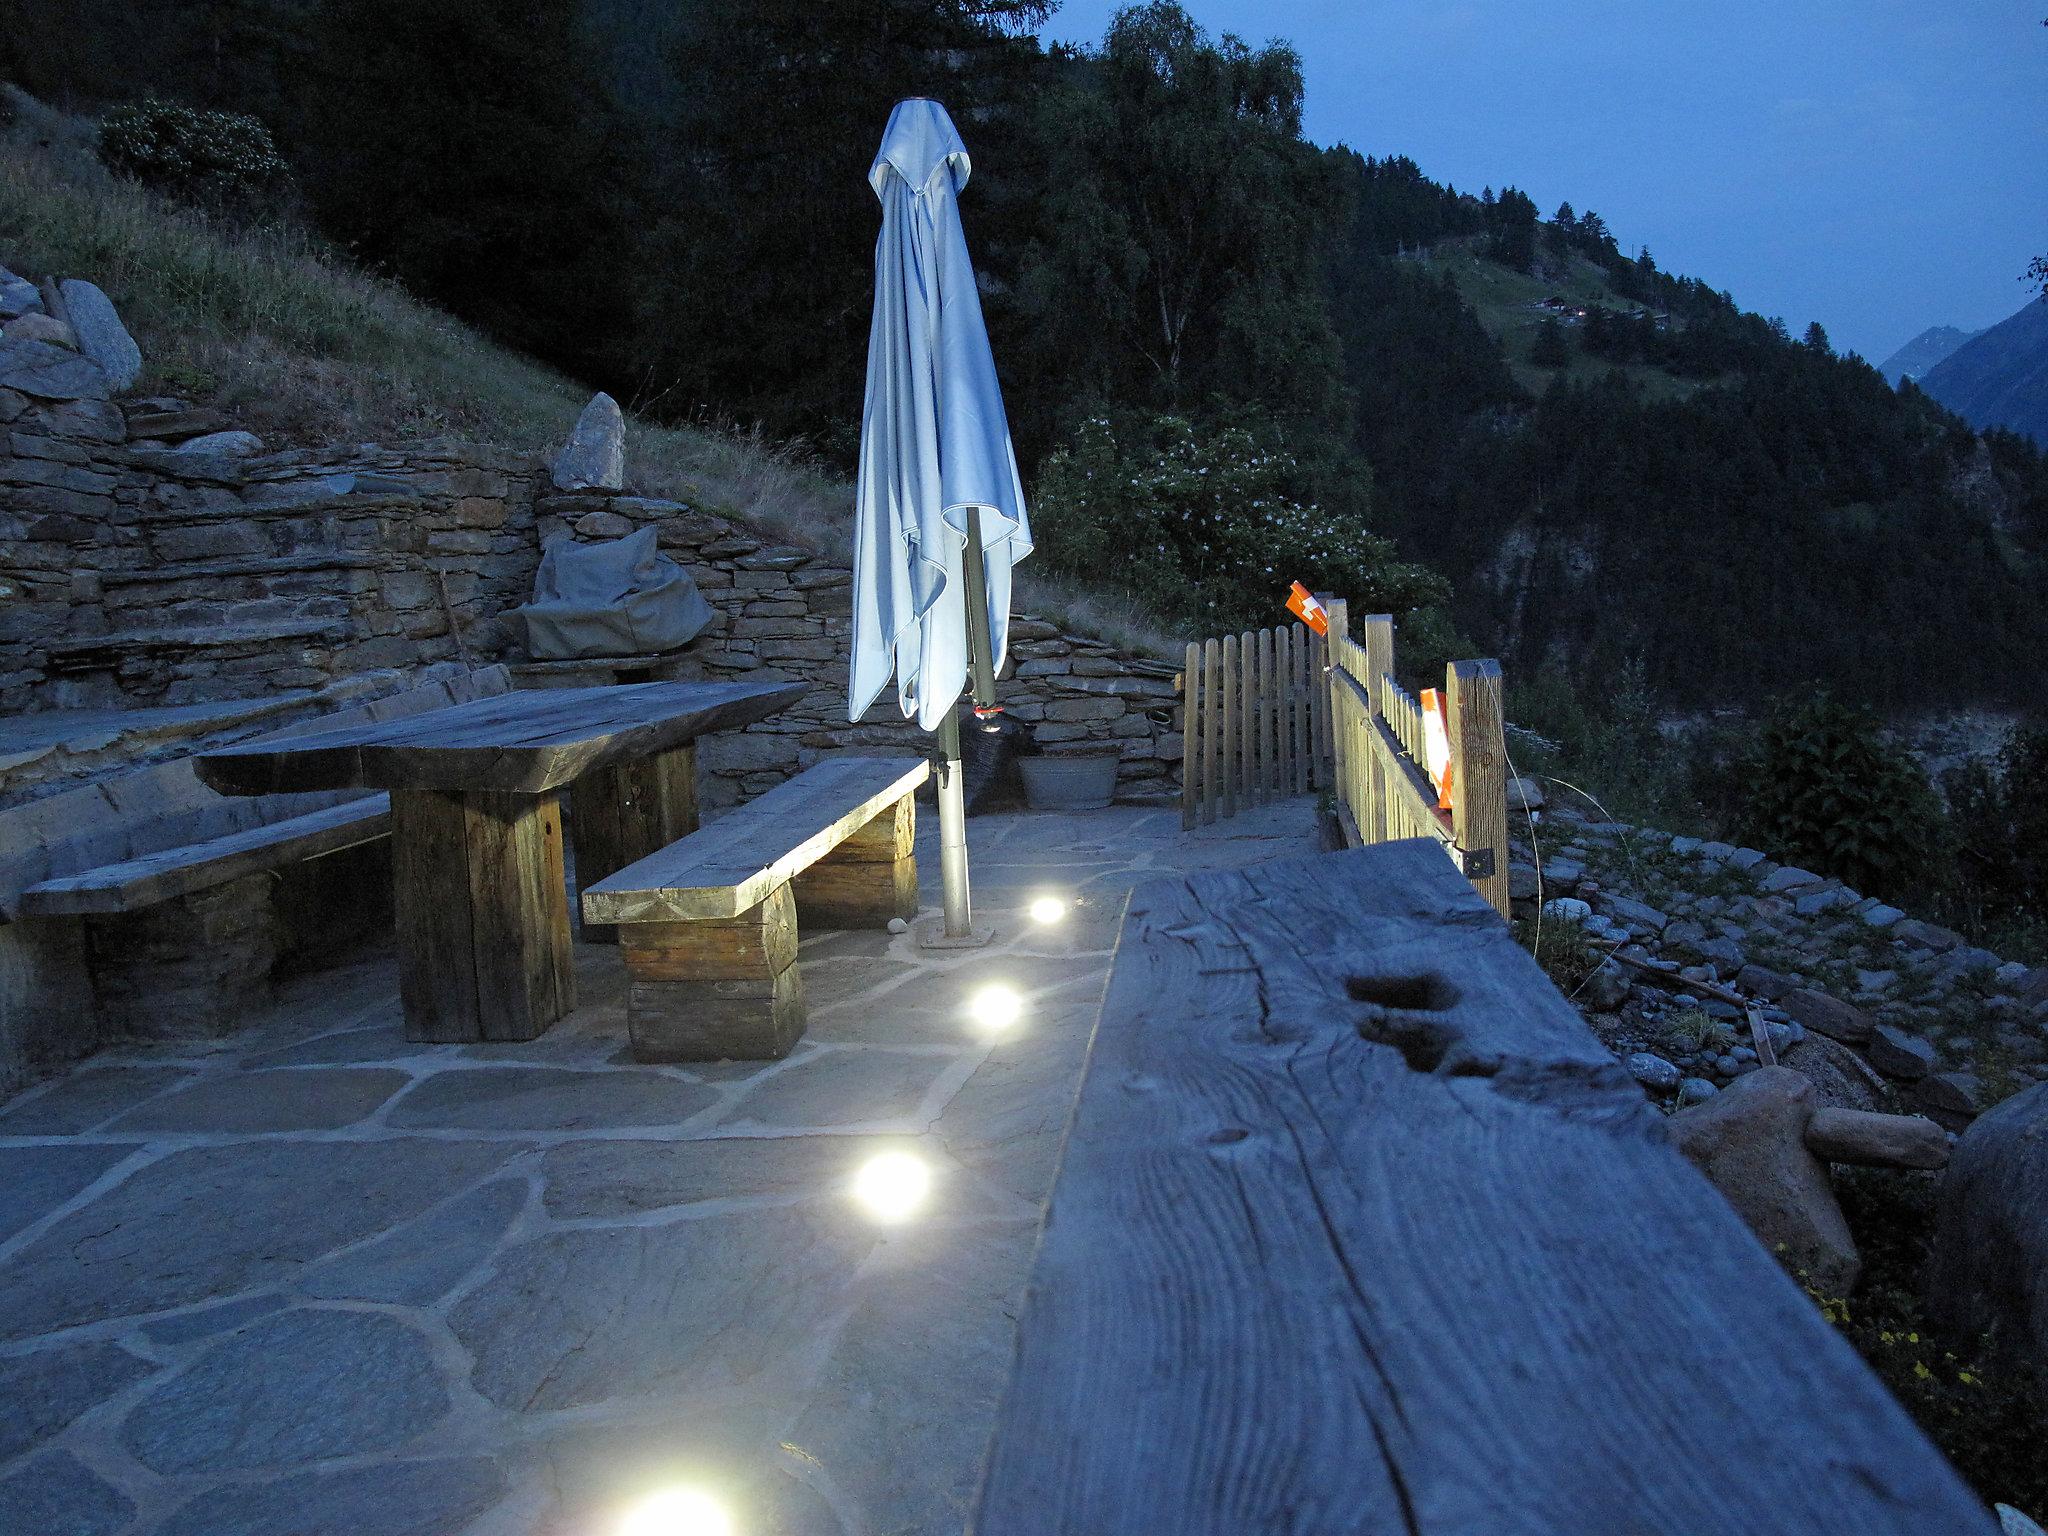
{"x":1477,"y":862}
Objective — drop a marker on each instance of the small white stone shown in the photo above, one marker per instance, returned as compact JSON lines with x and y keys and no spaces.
{"x":897,"y":925}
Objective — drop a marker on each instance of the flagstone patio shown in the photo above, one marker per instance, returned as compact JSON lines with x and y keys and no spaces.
{"x":318,"y":1280}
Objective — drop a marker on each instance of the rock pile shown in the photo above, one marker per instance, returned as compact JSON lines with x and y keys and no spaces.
{"x":1879,"y":1009}
{"x":63,"y":342}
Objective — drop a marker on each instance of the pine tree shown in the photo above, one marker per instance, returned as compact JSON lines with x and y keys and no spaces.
{"x":1552,"y":348}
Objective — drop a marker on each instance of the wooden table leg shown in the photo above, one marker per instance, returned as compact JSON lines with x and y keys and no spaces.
{"x":482,"y":914}
{"x":621,"y":814}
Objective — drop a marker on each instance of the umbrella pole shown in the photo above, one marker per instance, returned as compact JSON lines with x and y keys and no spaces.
{"x":952,"y":792}
{"x":953,"y":830}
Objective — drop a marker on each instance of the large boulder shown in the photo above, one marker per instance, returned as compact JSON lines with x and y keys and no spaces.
{"x":101,"y":335}
{"x":49,"y":372}
{"x":1750,"y":1142}
{"x":1841,"y":1079}
{"x":594,"y":458}
{"x":1987,"y":1270}
{"x":18,"y":296}
{"x":42,"y":328}
{"x":1876,"y":1141}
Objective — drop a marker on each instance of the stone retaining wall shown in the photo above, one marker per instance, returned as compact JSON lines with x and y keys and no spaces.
{"x":138,"y":574}
{"x":784,"y":611}
{"x":141,"y":575}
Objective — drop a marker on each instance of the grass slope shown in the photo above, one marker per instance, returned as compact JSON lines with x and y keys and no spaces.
{"x":1507,"y":304}
{"x":304,"y":347}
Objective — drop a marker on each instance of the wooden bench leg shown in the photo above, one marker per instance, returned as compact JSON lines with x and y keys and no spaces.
{"x":482,"y":913}
{"x":716,"y":988}
{"x":868,"y":879}
{"x":619,"y":815}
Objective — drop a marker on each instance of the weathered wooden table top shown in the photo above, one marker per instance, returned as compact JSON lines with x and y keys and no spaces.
{"x":525,"y":742}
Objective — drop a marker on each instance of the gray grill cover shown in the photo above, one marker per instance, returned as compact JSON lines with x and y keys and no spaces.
{"x":621,"y":598}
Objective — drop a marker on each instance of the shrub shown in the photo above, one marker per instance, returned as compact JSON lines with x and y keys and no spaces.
{"x":1828,"y":791}
{"x":1987,"y":1415}
{"x":1209,"y":524}
{"x":219,"y":160}
{"x":1563,"y":948}
{"x":2001,"y":820}
{"x":1691,"y":1030}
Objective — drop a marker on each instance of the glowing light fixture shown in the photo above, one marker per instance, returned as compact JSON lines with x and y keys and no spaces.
{"x":892,"y":1185}
{"x":995,"y":1008}
{"x":1048,"y":909}
{"x":678,"y":1512}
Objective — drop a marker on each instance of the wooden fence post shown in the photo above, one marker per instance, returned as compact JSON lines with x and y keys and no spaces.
{"x":1479,"y":793}
{"x":1190,"y":734}
{"x":1212,"y":734}
{"x":1339,"y":610}
{"x":1228,"y":710}
{"x":1379,"y":661}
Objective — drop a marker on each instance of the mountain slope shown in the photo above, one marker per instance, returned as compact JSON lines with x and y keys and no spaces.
{"x":1923,"y":352}
{"x":2000,"y":378}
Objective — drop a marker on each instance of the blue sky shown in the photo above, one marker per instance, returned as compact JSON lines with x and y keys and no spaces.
{"x":1877,"y":165}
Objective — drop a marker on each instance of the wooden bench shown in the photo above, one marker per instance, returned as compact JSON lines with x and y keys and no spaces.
{"x":139,"y":838}
{"x":1359,"y":1230}
{"x":708,"y":925}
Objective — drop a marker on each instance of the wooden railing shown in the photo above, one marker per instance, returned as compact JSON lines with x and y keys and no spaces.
{"x":1257,"y":721}
{"x":1379,"y":738}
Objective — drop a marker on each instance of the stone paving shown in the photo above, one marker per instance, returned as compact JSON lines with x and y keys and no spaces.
{"x":318,"y":1281}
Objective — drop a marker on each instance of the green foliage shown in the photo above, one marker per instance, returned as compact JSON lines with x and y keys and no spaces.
{"x":1132,"y":291}
{"x":218,"y":160}
{"x":2000,"y":817}
{"x":1987,"y":1415}
{"x":1553,"y":349}
{"x":1828,"y":791}
{"x":1561,"y":946}
{"x":1209,"y":524}
{"x":1688,"y":1031}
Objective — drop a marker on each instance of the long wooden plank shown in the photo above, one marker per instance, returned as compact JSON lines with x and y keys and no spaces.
{"x":733,"y":864}
{"x":1360,"y":1232}
{"x":154,"y":877}
{"x":525,"y":742}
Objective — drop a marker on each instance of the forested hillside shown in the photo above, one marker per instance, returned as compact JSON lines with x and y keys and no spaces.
{"x":1578,"y":457}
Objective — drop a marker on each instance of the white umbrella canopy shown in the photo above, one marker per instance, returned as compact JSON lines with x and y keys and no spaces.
{"x":936,"y":464}
{"x":939,"y":513}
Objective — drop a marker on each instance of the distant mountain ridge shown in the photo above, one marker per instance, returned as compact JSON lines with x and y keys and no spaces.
{"x":1929,"y":348}
{"x":1999,"y":378}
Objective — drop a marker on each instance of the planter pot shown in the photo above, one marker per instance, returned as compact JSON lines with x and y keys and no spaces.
{"x":1069,"y":782}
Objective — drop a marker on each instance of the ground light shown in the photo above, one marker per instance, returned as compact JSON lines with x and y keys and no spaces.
{"x":995,"y":1008}
{"x":1048,"y":909}
{"x":892,"y":1185}
{"x":678,"y":1512}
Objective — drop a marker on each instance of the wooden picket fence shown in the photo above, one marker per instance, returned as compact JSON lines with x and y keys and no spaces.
{"x":1257,"y":721}
{"x":1384,"y":792}
{"x":1278,"y":712}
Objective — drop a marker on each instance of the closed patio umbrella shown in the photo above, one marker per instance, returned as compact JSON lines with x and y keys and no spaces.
{"x":939,"y":516}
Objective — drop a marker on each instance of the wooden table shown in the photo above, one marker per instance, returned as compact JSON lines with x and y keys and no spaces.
{"x":476,"y":826}
{"x":1359,"y":1231}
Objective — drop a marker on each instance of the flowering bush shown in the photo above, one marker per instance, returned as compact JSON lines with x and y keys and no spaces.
{"x":1208,"y":526}
{"x":222,"y":160}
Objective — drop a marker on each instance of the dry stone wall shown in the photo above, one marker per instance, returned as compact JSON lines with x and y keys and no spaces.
{"x":783,"y":610}
{"x":141,"y":570}
{"x":148,"y":574}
